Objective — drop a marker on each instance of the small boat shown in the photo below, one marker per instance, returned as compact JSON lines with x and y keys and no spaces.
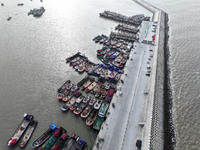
{"x":98,"y":103}
{"x":28,"y":133}
{"x":20,"y":130}
{"x":77,"y":103}
{"x":86,"y":111}
{"x":86,"y":99}
{"x":61,"y":141}
{"x":44,"y":137}
{"x":72,"y":57}
{"x":9,"y":18}
{"x":92,"y":117}
{"x":53,"y":139}
{"x":83,"y":81}
{"x":96,"y":88}
{"x":68,"y":97}
{"x":71,"y":143}
{"x":103,"y":109}
{"x":97,"y":123}
{"x":92,"y":101}
{"x":89,"y":88}
{"x":108,"y":85}
{"x":104,"y":94}
{"x":80,"y":144}
{"x":75,"y":60}
{"x":87,"y":83}
{"x":62,"y":88}
{"x":67,"y":105}
{"x":80,"y":108}
{"x":110,"y":95}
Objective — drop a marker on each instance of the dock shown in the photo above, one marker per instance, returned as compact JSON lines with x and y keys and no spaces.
{"x":138,"y":113}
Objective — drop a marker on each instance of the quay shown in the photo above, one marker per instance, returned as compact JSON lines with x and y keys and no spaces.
{"x":137,"y":109}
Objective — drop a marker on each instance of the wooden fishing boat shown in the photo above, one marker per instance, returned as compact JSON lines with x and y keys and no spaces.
{"x":98,"y":122}
{"x":20,"y":130}
{"x":86,"y":99}
{"x":104,"y":94}
{"x":80,"y":108}
{"x":92,"y":101}
{"x":71,"y":102}
{"x":44,"y":137}
{"x":98,"y":103}
{"x":62,"y":88}
{"x":72,"y":57}
{"x":80,"y":144}
{"x":76,"y":59}
{"x":61,"y":141}
{"x":89,"y":88}
{"x":83,"y":81}
{"x":110,"y":95}
{"x":69,"y":96}
{"x":92,"y":117}
{"x":87,"y":83}
{"x":86,"y":111}
{"x":64,"y":94}
{"x":96,"y":88}
{"x":77,"y":103}
{"x":53,"y":139}
{"x":71,"y":143}
{"x":28,"y":133}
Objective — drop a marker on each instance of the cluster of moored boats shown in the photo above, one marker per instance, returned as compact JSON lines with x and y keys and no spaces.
{"x":134,"y":20}
{"x":124,"y":36}
{"x":109,"y":72}
{"x":53,"y":138}
{"x":93,"y":106}
{"x":126,"y":28}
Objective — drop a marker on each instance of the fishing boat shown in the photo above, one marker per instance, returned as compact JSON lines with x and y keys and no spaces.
{"x":83,"y":81}
{"x":80,"y":144}
{"x":86,"y":111}
{"x":20,"y":130}
{"x":61,"y":141}
{"x":77,"y":103}
{"x":108,"y":85}
{"x":69,"y":103}
{"x":71,"y":143}
{"x":92,"y":101}
{"x":104,"y":93}
{"x":98,"y":122}
{"x":103,"y":109}
{"x":96,"y":88}
{"x":44,"y":137}
{"x":68,"y":96}
{"x":87,"y":83}
{"x":89,"y":88}
{"x":28,"y":133}
{"x":86,"y":99}
{"x":97,"y":104}
{"x":110,"y":95}
{"x":53,"y":139}
{"x":76,"y":59}
{"x":92,"y":117}
{"x":80,"y":108}
{"x":72,"y":57}
{"x":63,"y":87}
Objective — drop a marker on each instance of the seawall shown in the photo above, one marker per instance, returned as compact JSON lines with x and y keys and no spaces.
{"x":162,"y":129}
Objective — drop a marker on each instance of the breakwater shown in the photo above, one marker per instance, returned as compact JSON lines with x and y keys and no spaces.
{"x":162,"y":134}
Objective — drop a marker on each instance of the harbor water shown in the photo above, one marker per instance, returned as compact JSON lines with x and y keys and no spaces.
{"x":33,"y":52}
{"x":184,"y":24}
{"x":32,"y":62}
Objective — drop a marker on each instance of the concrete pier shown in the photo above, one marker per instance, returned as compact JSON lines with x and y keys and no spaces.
{"x":138,"y":112}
